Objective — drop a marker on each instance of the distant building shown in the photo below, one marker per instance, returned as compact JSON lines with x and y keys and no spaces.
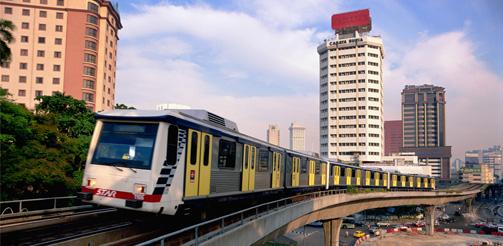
{"x":273,"y":134}
{"x":406,"y":169}
{"x":171,"y":106}
{"x":491,"y":156}
{"x":62,"y":46}
{"x":400,"y":159}
{"x":351,"y":90}
{"x":423,"y":117}
{"x":456,"y":167}
{"x":393,"y":136}
{"x":479,"y":174}
{"x":297,"y":137}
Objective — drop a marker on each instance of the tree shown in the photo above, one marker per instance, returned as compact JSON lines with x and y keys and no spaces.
{"x":6,"y":28}
{"x":122,"y":106}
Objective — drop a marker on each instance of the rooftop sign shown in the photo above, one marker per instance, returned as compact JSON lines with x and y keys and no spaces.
{"x":354,"y":19}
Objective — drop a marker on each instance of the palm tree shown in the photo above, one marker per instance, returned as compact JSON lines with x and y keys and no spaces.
{"x":6,"y":28}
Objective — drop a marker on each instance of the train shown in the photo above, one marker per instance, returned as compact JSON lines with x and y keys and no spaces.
{"x":168,"y":161}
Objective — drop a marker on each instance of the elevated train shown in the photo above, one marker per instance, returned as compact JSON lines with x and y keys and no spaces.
{"x":167,"y":161}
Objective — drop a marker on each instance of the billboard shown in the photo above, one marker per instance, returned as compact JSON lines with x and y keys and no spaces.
{"x":359,"y":18}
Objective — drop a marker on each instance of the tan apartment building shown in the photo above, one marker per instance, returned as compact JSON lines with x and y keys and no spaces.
{"x":297,"y":138}
{"x":67,"y":46}
{"x":273,"y":134}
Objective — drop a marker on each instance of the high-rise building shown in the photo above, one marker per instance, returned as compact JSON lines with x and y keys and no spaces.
{"x":297,"y":137}
{"x":351,"y":90}
{"x":273,"y":134}
{"x":492,"y":156}
{"x":480,"y":173}
{"x":423,"y":117}
{"x":393,"y":135}
{"x":62,"y":46}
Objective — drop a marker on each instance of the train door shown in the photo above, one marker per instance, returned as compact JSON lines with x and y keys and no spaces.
{"x":376,"y":178}
{"x":348,"y":175}
{"x":245,"y":174}
{"x":432,"y":182}
{"x":276,"y":161}
{"x":312,"y":166}
{"x":425,"y":182}
{"x":367,"y":178}
{"x":198,"y":166}
{"x":411,"y":182}
{"x":358,"y":176}
{"x":323,"y":173}
{"x":253,"y":165}
{"x":418,"y":182}
{"x":295,"y":171}
{"x":393,"y":180}
{"x":402,"y":180}
{"x":337,"y":174}
{"x":385,"y":180}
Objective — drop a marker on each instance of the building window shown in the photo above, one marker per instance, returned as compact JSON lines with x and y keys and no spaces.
{"x":57,"y":54}
{"x":92,"y":19}
{"x":90,"y":45}
{"x":90,"y":58}
{"x":55,"y":81}
{"x":41,"y":27}
{"x":40,"y":67}
{"x":21,"y":93}
{"x":25,"y":25}
{"x":59,"y":28}
{"x":23,"y":52}
{"x":92,"y":7}
{"x":91,"y":32}
{"x":23,"y":65}
{"x":89,"y":71}
{"x":43,"y":1}
{"x":88,"y":84}
{"x":8,"y":10}
{"x":59,"y":15}
{"x":56,"y":68}
{"x":5,"y":78}
{"x":41,"y":40}
{"x":24,"y":39}
{"x":40,"y":53}
{"x":26,"y":12}
{"x":88,"y":97}
{"x":38,"y":93}
{"x":58,"y":41}
{"x":39,"y":80}
{"x":60,"y":2}
{"x":42,"y":14}
{"x":22,"y":79}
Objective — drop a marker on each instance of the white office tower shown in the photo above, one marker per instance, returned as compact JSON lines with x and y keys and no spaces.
{"x":351,"y":91}
{"x":273,"y":134}
{"x":297,"y":137}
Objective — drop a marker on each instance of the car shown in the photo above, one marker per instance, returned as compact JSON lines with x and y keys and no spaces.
{"x":359,"y":223}
{"x":316,"y":224}
{"x":382,"y":224}
{"x":358,"y":234}
{"x":479,"y":224}
{"x":375,"y":231}
{"x":346,"y":225}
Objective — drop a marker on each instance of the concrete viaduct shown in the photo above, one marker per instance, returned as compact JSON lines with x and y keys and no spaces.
{"x":331,"y":209}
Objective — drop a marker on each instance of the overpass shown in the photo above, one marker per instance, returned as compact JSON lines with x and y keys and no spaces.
{"x":330,"y":207}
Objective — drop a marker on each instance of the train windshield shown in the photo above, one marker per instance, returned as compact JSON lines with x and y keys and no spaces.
{"x":125,"y":145}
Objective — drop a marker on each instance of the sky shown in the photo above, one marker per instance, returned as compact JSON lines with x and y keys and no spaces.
{"x":255,"y":61}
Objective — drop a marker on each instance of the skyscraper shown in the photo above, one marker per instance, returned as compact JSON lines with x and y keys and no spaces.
{"x":297,"y":137}
{"x":423,"y":117}
{"x":393,"y":135}
{"x":273,"y":134}
{"x":351,"y":90}
{"x":62,"y":46}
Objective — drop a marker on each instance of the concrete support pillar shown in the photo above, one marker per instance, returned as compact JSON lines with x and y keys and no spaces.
{"x":331,"y":231}
{"x":468,"y":205}
{"x":430,"y":219}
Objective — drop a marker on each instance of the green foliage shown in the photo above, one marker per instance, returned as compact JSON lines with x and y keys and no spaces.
{"x":43,"y":154}
{"x":6,"y":37}
{"x":122,"y":106}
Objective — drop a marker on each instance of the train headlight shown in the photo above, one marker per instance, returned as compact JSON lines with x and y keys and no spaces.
{"x":140,"y":188}
{"x":91,"y":182}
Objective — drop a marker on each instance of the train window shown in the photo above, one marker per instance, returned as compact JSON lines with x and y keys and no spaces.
{"x":252,"y":164}
{"x":245,"y":157}
{"x":193,"y":148}
{"x":206,"y":157}
{"x":263,"y":160}
{"x":304,"y":166}
{"x":226,"y":154}
{"x":125,"y":145}
{"x":171,"y":152}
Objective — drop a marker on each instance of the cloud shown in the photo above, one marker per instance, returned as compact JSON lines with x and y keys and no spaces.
{"x":474,"y":103}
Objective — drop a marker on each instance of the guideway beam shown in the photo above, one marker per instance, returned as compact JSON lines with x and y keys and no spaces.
{"x":430,"y":219}
{"x":331,"y":231}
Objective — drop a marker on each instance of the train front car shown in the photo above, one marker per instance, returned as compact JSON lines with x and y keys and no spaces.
{"x":132,"y":161}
